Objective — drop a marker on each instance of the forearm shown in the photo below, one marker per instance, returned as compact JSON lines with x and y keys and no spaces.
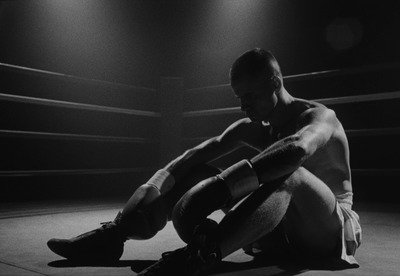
{"x":203,"y":153}
{"x":280,"y":159}
{"x":181,"y":165}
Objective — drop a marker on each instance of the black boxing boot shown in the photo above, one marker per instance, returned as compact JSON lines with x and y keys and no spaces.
{"x":104,"y":244}
{"x":197,"y":258}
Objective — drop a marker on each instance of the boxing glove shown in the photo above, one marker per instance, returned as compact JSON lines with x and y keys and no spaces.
{"x":212,"y":194}
{"x":145,"y":212}
{"x":240,"y":178}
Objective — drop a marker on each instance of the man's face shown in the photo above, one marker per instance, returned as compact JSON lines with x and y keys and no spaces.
{"x":257,"y":97}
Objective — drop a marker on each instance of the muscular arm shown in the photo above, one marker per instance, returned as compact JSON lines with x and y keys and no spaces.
{"x":209,"y":150}
{"x":288,"y":154}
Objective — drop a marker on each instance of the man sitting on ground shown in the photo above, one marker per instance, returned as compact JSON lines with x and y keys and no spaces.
{"x":292,"y":199}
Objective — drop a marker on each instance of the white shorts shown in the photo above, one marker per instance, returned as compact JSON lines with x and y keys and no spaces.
{"x":351,"y":234}
{"x":349,"y":238}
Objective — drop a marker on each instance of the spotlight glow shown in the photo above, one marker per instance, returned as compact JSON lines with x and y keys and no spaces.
{"x":344,"y":33}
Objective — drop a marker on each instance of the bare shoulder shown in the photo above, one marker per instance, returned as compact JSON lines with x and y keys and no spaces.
{"x":243,"y":128}
{"x":240,"y":124}
{"x":247,"y":132}
{"x":314,"y":113}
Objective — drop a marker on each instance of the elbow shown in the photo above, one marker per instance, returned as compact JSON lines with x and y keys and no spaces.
{"x":302,"y":150}
{"x":298,"y":148}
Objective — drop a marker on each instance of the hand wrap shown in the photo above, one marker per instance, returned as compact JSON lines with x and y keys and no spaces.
{"x":240,"y":178}
{"x":163,"y":180}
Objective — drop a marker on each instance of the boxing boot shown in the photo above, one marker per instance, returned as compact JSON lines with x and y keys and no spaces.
{"x":104,"y":244}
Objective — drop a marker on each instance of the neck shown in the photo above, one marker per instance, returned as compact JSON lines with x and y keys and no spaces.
{"x":282,"y":113}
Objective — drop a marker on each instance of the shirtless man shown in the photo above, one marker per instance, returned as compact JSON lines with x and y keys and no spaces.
{"x":293,"y":198}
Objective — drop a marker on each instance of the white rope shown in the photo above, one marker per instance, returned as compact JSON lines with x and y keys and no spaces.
{"x":70,"y":136}
{"x":74,"y":105}
{"x":327,"y":101}
{"x":49,"y":74}
{"x":19,"y":173}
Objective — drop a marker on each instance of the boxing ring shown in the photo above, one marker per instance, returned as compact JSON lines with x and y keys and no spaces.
{"x":71,"y":148}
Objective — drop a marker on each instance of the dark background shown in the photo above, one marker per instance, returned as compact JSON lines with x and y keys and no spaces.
{"x":141,"y":42}
{"x":136,"y":42}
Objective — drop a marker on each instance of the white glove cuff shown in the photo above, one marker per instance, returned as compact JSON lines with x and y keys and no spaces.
{"x":241,"y":179}
{"x":163,"y":180}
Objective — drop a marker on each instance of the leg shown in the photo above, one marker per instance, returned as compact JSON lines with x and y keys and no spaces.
{"x":311,"y":223}
{"x":300,"y":203}
{"x":136,"y":224}
{"x":140,"y":221}
{"x":253,"y":218}
{"x":304,"y":201}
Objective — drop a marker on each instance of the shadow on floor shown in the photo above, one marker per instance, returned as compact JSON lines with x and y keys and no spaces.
{"x":124,"y":263}
{"x":288,"y":268}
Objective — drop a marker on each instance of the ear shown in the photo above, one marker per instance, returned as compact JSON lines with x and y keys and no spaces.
{"x":276,"y":83}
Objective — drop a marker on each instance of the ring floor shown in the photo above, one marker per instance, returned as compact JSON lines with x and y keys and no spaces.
{"x":25,"y":229}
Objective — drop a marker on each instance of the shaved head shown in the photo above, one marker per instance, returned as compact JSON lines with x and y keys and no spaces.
{"x":254,"y":63}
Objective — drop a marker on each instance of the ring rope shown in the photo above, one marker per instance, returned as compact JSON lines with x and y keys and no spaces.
{"x":315,"y":75}
{"x":19,"y":173}
{"x":349,"y":132}
{"x":327,"y":101}
{"x":74,"y":105}
{"x":69,"y":136}
{"x":54,"y":75}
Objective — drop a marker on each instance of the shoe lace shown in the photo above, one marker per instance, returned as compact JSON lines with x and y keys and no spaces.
{"x":175,"y":254}
{"x":113,"y":226}
{"x":106,"y":225}
{"x":115,"y":221}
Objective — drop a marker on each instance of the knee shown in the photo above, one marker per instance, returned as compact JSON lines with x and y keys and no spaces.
{"x":295,"y":179}
{"x":299,"y":174}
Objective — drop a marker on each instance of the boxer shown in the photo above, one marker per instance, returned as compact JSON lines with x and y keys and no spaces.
{"x":291,"y":200}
